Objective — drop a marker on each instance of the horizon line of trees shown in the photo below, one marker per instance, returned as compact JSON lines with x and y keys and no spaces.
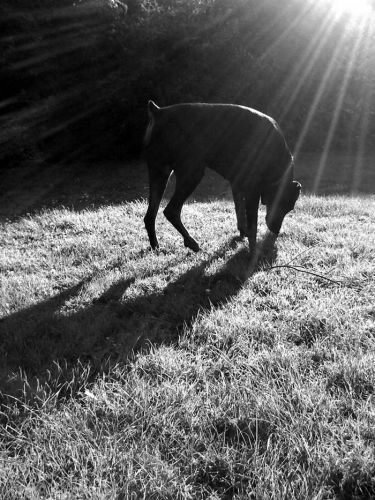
{"x":77,"y":74}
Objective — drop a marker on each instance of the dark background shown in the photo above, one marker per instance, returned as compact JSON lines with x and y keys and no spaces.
{"x":76,"y":75}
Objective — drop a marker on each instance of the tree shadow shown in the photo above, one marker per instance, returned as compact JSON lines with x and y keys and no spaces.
{"x":82,"y":186}
{"x":77,"y":186}
{"x":118,"y":323}
{"x":90,"y":185}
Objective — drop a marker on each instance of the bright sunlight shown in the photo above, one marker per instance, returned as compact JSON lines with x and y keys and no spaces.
{"x":354,"y":8}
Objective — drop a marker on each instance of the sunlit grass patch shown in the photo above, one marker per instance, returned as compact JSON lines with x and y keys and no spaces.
{"x":169,"y":374}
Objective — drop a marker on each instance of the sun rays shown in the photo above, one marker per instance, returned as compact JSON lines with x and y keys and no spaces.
{"x":343,"y":41}
{"x":331,"y":68}
{"x":358,"y":10}
{"x":308,"y":63}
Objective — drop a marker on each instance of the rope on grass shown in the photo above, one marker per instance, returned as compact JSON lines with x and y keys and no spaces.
{"x":312,"y":273}
{"x":306,"y":271}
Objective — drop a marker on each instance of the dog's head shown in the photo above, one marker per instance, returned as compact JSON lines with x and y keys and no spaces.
{"x":280,"y":203}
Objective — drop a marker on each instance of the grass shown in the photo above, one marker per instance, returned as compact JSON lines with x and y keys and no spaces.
{"x":127,"y":373}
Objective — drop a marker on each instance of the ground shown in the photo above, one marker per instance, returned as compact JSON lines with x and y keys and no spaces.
{"x":127,"y":373}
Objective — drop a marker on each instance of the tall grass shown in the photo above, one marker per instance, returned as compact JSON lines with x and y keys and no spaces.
{"x":127,"y":373}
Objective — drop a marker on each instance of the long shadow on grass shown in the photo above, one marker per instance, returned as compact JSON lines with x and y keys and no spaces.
{"x":115,"y":324}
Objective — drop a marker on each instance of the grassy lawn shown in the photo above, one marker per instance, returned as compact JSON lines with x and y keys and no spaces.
{"x":127,"y":373}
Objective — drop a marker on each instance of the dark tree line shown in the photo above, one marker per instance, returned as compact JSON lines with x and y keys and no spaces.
{"x":76,"y":75}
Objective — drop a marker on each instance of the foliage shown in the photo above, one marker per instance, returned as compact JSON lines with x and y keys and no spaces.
{"x":77,"y":75}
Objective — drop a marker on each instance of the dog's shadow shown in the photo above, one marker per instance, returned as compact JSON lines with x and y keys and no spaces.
{"x":117,"y":323}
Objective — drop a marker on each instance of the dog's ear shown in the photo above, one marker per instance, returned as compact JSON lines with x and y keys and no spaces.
{"x":296,"y":189}
{"x":288,"y":196}
{"x":292,"y":194}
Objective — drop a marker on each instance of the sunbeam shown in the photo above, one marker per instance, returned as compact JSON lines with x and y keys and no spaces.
{"x":339,"y":105}
{"x":324,"y":84}
{"x":365,"y":113}
{"x":302,"y":69}
{"x":78,"y":71}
